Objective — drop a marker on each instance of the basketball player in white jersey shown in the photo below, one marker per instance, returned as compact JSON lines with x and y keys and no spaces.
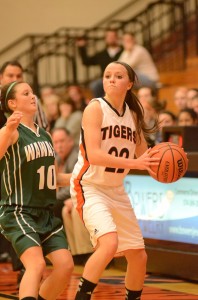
{"x":112,"y":134}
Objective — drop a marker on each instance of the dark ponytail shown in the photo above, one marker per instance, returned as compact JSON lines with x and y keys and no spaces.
{"x":135,"y":105}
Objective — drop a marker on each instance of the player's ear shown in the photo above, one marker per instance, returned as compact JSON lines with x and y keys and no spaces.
{"x":12,"y":104}
{"x":130,"y":85}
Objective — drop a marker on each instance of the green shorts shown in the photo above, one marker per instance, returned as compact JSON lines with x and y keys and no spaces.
{"x":28,"y":227}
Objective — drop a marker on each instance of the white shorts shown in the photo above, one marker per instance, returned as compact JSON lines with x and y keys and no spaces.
{"x":104,"y":210}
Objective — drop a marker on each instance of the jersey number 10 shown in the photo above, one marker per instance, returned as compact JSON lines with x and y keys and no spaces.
{"x":48,"y":179}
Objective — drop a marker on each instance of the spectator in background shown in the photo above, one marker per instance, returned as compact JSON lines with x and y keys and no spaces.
{"x":110,"y":53}
{"x":191,"y":93}
{"x":180,"y":98}
{"x":140,"y":60}
{"x":51,"y":109}
{"x":76,"y":93}
{"x":70,"y":118}
{"x":152,"y":106}
{"x":194,"y":104}
{"x":146,"y":93}
{"x":46,"y":91}
{"x":187,"y":117}
{"x":165,"y":118}
{"x":66,"y":157}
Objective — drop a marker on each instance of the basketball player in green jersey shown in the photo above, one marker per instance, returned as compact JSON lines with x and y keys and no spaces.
{"x":28,"y":193}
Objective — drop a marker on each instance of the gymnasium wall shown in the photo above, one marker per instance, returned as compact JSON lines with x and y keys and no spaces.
{"x":19,"y":18}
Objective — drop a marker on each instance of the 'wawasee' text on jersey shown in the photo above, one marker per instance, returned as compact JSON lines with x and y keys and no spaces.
{"x":28,"y":171}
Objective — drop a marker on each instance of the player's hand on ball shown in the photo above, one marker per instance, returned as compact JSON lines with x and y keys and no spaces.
{"x":145,"y":161}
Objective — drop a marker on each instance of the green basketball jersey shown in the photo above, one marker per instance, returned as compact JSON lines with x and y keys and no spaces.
{"x":28,"y":170}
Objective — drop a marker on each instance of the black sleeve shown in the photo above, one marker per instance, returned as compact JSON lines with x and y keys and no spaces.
{"x":88,"y":60}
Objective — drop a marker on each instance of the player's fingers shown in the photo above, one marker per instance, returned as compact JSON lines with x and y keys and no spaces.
{"x":152,"y":152}
{"x":151,"y":172}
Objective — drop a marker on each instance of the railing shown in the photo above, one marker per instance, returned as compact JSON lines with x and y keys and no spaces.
{"x":168,"y":29}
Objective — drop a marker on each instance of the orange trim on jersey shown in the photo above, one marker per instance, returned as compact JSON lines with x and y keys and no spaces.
{"x":77,"y":185}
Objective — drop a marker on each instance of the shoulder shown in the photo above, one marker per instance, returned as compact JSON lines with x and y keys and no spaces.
{"x":94,"y":104}
{"x":141,"y":49}
{"x":93,"y":112}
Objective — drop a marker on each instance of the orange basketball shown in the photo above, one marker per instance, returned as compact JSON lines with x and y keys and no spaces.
{"x":173,"y":162}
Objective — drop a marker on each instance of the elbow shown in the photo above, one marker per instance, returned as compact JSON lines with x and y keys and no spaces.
{"x":92,"y":159}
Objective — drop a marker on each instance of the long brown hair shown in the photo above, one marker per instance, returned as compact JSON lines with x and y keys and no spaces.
{"x":135,"y":105}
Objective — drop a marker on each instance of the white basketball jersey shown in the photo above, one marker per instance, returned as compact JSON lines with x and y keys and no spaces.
{"x":118,"y":138}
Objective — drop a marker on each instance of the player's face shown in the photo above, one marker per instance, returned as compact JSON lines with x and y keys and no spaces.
{"x":10,"y":74}
{"x":116,"y":81}
{"x":25,"y":100}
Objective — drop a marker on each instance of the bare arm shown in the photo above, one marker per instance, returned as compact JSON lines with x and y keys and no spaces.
{"x":63,"y":179}
{"x":92,"y":120}
{"x":9,"y":133}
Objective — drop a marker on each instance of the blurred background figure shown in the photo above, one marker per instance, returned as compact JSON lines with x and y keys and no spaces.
{"x":187,"y":117}
{"x":180,"y":98}
{"x":51,"y":109}
{"x":145,"y":93}
{"x":46,"y":91}
{"x":76,"y":93}
{"x":140,"y":60}
{"x":165,"y":118}
{"x":151,"y":106}
{"x":70,"y":118}
{"x":192,"y":93}
{"x":77,"y":235}
{"x":102,"y":58}
{"x":194,"y":104}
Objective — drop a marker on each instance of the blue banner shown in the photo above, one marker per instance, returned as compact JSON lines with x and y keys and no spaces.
{"x":165,"y":211}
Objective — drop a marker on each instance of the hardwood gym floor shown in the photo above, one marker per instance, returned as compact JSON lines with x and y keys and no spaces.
{"x":111,"y":286}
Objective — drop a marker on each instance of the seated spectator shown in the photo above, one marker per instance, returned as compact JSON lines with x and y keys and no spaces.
{"x":50,"y":107}
{"x":146,"y":93}
{"x":191,"y":93}
{"x":194,"y":104}
{"x":70,"y":118}
{"x":108,"y":54}
{"x":187,"y":117}
{"x":46,"y":91}
{"x":75,"y":92}
{"x":151,"y":108}
{"x":66,"y":157}
{"x":180,"y":98}
{"x":165,"y":118}
{"x":140,"y":60}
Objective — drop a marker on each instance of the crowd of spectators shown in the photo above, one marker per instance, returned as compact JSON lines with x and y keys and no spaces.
{"x":63,"y":112}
